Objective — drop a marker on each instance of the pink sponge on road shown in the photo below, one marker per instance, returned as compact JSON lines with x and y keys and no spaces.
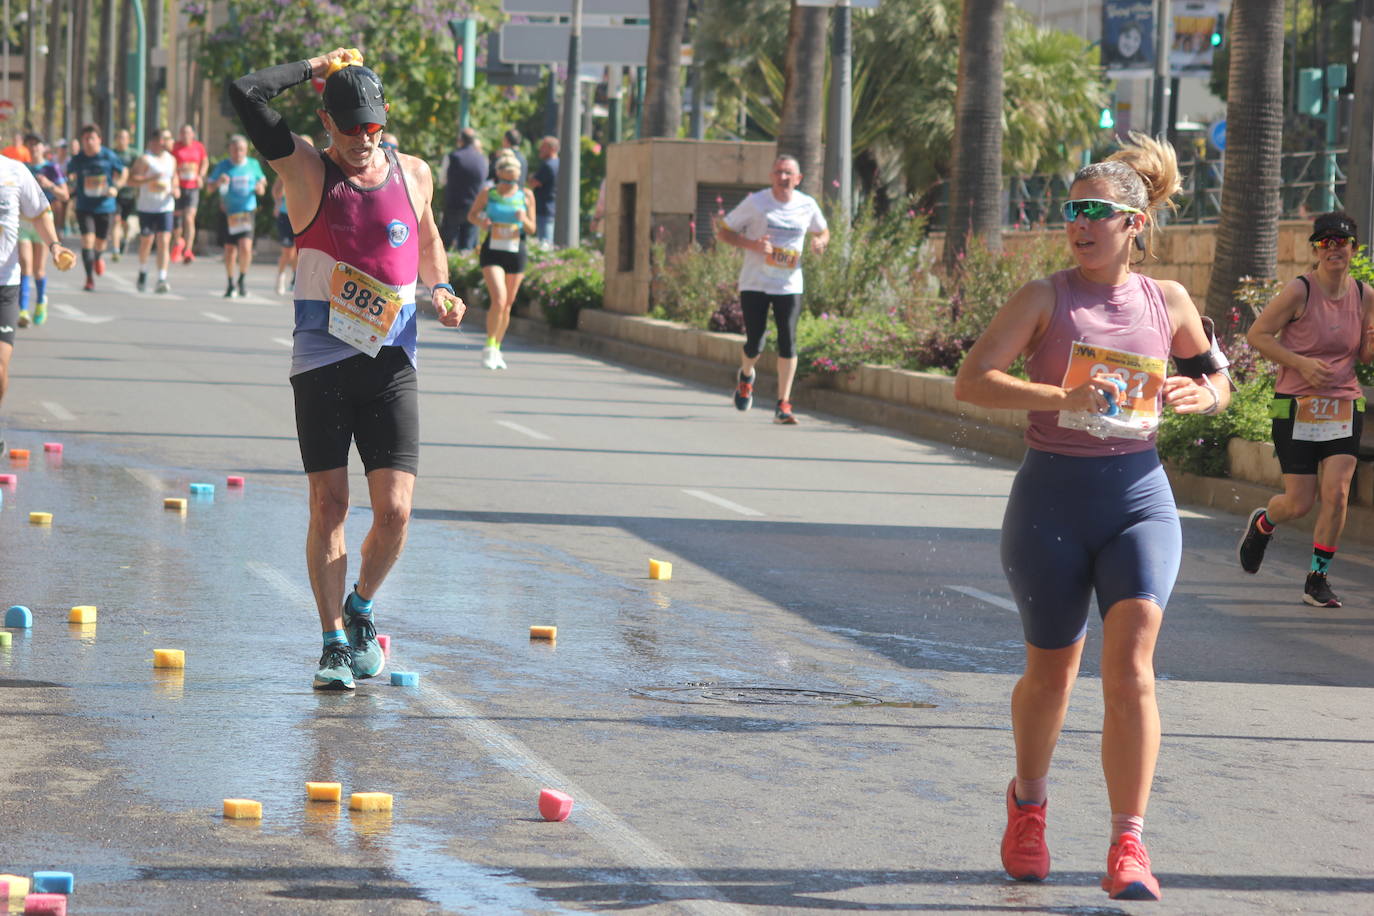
{"x":384,"y":641}
{"x":555,"y":805}
{"x":234,"y":481}
{"x":45,"y":905}
{"x":8,"y":480}
{"x":53,"y":447}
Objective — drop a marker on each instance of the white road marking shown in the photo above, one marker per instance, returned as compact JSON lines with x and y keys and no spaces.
{"x":723,"y":503}
{"x":215,"y":316}
{"x":1005,"y":604}
{"x":1189,"y":513}
{"x":613,"y":833}
{"x":283,"y":341}
{"x":75,"y":314}
{"x":58,"y":411}
{"x":524,"y":430}
{"x":147,"y":478}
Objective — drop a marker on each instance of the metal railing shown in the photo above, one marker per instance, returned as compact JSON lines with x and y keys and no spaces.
{"x":1311,"y":182}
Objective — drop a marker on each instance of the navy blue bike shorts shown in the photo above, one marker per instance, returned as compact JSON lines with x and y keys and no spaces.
{"x":1075,"y":526}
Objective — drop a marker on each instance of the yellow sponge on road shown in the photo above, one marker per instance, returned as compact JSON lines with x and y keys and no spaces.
{"x":82,"y":613}
{"x":324,"y":791}
{"x":369,"y":801}
{"x":660,"y":569}
{"x":242,"y":809}
{"x":169,"y":658}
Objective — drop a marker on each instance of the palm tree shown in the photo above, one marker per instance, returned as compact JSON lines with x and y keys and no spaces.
{"x":975,"y":201}
{"x":663,"y":87}
{"x":803,"y":101}
{"x":1248,"y":235}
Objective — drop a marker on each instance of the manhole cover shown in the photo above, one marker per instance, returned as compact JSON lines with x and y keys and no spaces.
{"x":707,"y":693}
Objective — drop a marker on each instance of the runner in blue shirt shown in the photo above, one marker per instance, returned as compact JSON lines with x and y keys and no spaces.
{"x":95,"y":176}
{"x":238,"y":180}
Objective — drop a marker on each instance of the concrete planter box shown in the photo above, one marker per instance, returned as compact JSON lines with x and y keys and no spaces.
{"x":1254,"y":461}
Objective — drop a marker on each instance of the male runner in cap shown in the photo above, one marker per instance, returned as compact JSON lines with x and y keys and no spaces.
{"x":364,"y":231}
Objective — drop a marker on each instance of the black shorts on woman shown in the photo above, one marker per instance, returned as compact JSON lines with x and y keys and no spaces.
{"x":512,"y":262}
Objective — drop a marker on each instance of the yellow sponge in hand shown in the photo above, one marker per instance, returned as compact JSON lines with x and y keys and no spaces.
{"x":353,"y":58}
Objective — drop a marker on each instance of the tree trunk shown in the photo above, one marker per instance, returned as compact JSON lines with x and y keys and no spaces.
{"x":1248,"y":234}
{"x":975,"y":196}
{"x":803,"y":106}
{"x":124,"y":45}
{"x":81,"y":83}
{"x":50,"y":67}
{"x":663,"y":89}
{"x":104,"y":92}
{"x":1359,"y":194}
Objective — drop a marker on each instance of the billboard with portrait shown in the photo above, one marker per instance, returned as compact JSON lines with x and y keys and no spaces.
{"x":1128,"y":43}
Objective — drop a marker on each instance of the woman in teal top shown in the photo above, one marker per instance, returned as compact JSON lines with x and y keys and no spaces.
{"x":505,"y":212}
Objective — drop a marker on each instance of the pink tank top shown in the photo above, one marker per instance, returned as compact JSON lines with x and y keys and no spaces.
{"x":1329,"y":330}
{"x":1130,"y":318}
{"x":373,"y":229}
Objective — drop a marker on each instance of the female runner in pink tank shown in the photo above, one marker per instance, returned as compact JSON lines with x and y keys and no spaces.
{"x":1091,"y":509}
{"x":1314,"y":330}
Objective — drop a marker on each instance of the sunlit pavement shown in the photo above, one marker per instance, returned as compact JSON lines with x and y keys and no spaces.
{"x":852,"y":573}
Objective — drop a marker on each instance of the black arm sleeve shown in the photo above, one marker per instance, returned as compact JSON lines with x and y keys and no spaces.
{"x":264,"y":125}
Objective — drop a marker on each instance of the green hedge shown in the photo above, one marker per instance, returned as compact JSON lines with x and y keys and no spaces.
{"x":559,"y":283}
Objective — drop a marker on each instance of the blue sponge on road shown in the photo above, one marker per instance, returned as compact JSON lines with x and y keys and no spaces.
{"x":19,"y":617}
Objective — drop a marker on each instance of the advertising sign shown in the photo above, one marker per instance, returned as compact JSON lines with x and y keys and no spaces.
{"x":1128,"y":43}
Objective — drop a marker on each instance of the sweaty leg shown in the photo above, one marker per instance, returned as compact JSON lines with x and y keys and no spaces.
{"x":513,"y":282}
{"x":326,"y":554}
{"x":189,"y":224}
{"x":1039,"y":703}
{"x":1130,"y":724}
{"x":497,"y":316}
{"x":1299,"y":493}
{"x":1336,"y":473}
{"x":6,"y":351}
{"x":391,"y":491}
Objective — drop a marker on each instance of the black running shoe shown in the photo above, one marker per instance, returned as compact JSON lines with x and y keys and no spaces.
{"x":142,"y":283}
{"x":243,"y":290}
{"x":783,"y":414}
{"x":744,"y":391}
{"x":1252,"y":544}
{"x":1317,"y":592}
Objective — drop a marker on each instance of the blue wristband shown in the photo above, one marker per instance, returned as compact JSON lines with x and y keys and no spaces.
{"x":446,"y":286}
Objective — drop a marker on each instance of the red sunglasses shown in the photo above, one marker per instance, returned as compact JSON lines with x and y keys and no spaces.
{"x":357,"y":129}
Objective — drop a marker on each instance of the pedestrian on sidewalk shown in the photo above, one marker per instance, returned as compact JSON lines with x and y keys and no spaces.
{"x":545,"y":185}
{"x":1314,"y":330}
{"x":772,"y":227}
{"x":1091,"y":510}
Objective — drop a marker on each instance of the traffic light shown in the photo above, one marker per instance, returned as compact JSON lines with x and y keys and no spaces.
{"x":1105,"y":119}
{"x":465,"y":37}
{"x":1219,"y":30}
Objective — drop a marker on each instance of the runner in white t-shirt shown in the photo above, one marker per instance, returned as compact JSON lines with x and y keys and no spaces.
{"x":155,"y":175}
{"x":771,"y":226}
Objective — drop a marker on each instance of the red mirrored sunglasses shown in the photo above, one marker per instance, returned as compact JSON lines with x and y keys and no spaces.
{"x":1332,"y":241}
{"x":357,"y":129}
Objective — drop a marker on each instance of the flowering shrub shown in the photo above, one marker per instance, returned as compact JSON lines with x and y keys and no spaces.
{"x":830,"y":344}
{"x":1197,"y":443}
{"x":559,"y":283}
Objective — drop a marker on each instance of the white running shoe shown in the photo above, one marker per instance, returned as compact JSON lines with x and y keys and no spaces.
{"x":281,"y":284}
{"x":500,"y":361}
{"x":491,"y":358}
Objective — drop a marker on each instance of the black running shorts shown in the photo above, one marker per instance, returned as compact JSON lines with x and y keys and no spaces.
{"x":97,"y":224}
{"x":1297,"y":456}
{"x":9,"y":313}
{"x":373,"y":402}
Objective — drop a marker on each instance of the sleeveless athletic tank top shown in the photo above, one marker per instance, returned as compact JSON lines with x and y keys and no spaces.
{"x":1328,"y":329}
{"x":1131,"y":317}
{"x":162,"y":168}
{"x":505,"y":208}
{"x":372,"y":229}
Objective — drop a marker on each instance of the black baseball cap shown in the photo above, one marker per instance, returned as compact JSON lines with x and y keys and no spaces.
{"x":1333,"y":225}
{"x":353,"y":96}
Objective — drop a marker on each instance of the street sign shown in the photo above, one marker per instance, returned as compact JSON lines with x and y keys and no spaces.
{"x":1217,"y":134}
{"x":545,"y":43}
{"x":636,"y":8}
{"x":503,"y":74}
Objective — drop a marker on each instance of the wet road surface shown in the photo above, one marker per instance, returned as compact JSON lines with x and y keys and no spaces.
{"x":810,"y":716}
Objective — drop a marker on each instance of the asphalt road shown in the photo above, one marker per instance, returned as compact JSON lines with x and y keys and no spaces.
{"x":810,"y":716}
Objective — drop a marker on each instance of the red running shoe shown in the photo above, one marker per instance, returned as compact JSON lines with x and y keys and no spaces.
{"x":90,"y":285}
{"x":1128,"y":871}
{"x":178,"y":247}
{"x":188,"y":257}
{"x":783,"y":414}
{"x":1024,"y":853}
{"x":99,"y":266}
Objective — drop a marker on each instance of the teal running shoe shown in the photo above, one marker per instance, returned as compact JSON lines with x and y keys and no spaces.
{"x":40,"y":312}
{"x":336,"y":668}
{"x":368,"y":657}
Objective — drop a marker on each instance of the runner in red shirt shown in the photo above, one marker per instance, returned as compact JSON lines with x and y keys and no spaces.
{"x":192,"y":164}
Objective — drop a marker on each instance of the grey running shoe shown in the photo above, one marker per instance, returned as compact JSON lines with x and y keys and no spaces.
{"x":1250,"y":550}
{"x":336,"y":671}
{"x":163,"y":286}
{"x":1317,"y":592}
{"x":744,"y":390}
{"x":368,"y":658}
